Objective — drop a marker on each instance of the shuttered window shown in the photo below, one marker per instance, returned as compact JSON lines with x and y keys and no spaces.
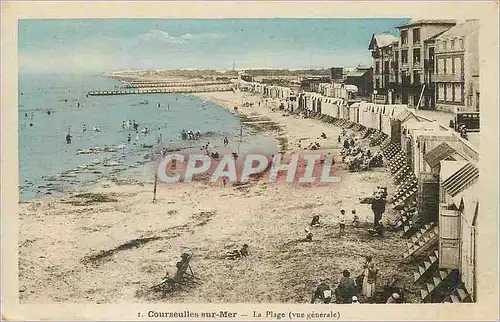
{"x":449,"y":67}
{"x":449,"y":92}
{"x":458,"y":92}
{"x":441,"y":92}
{"x":458,"y":66}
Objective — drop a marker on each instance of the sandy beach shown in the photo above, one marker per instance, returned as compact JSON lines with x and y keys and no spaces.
{"x":111,"y":243}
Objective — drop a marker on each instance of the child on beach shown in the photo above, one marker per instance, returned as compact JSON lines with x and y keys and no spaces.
{"x":355,"y":219}
{"x":342,"y":222}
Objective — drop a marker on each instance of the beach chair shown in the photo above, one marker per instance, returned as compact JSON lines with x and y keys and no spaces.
{"x":182,"y":276}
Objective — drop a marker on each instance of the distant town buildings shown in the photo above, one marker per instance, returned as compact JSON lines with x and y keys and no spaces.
{"x":336,"y":74}
{"x":362,"y":78}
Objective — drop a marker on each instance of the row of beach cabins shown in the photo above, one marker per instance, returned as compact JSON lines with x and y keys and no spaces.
{"x":437,"y":176}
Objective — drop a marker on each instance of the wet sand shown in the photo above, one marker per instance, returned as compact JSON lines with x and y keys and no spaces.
{"x":113,"y":243}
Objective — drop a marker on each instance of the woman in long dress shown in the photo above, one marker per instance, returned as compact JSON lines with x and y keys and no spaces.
{"x":369,"y":278}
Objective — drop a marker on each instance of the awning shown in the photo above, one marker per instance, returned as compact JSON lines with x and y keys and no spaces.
{"x":459,"y":180}
{"x":440,"y":152}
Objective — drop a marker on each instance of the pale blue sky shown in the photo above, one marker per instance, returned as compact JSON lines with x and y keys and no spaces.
{"x":98,"y":45}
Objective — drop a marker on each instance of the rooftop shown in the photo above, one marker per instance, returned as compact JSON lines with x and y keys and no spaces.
{"x":441,"y":152}
{"x":357,"y":73}
{"x":427,"y":22}
{"x":382,"y":40}
{"x":435,"y":36}
{"x":461,"y":30}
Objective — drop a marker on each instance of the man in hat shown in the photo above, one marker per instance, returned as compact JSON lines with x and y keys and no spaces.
{"x":378,"y":208}
{"x":394,"y":298}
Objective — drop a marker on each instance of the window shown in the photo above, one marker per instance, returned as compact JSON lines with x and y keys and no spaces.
{"x":452,"y":44}
{"x":377,"y":83}
{"x":440,"y":93}
{"x":461,"y":43}
{"x":442,"y":67}
{"x":405,"y":78}
{"x":443,"y":46}
{"x":458,"y":92}
{"x":396,"y":56}
{"x":416,"y":36}
{"x":416,"y":56}
{"x":431,"y":54}
{"x":386,"y":67}
{"x":458,"y":66}
{"x":404,"y":37}
{"x":416,"y":76}
{"x":377,"y":67}
{"x":449,"y":92}
{"x":404,"y":56}
{"x":448,"y":67}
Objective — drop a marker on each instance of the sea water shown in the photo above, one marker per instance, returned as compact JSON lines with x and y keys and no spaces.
{"x":48,"y":165}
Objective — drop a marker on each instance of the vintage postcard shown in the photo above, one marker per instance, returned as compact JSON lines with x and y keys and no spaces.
{"x":249,"y":161}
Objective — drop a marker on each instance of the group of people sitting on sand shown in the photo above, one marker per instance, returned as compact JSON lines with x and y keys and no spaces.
{"x":349,"y":290}
{"x":313,"y":145}
{"x":190,"y":135}
{"x":358,"y":158}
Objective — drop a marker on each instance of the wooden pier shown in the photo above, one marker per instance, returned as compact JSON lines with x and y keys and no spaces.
{"x":164,"y":84}
{"x":160,"y":91}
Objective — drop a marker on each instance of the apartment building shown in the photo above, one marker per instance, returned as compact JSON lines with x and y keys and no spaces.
{"x":457,"y":68}
{"x":382,"y":47}
{"x":414,"y":83}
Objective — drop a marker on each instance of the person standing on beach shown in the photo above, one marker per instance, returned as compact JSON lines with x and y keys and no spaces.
{"x":369,"y":278}
{"x":355,"y":219}
{"x":226,"y":141}
{"x":342,"y":222}
{"x":129,"y":138}
{"x":84,"y":128}
{"x":68,"y":138}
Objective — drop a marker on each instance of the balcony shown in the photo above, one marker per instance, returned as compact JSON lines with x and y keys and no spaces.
{"x":416,"y":64}
{"x":394,"y":65}
{"x":447,"y":78}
